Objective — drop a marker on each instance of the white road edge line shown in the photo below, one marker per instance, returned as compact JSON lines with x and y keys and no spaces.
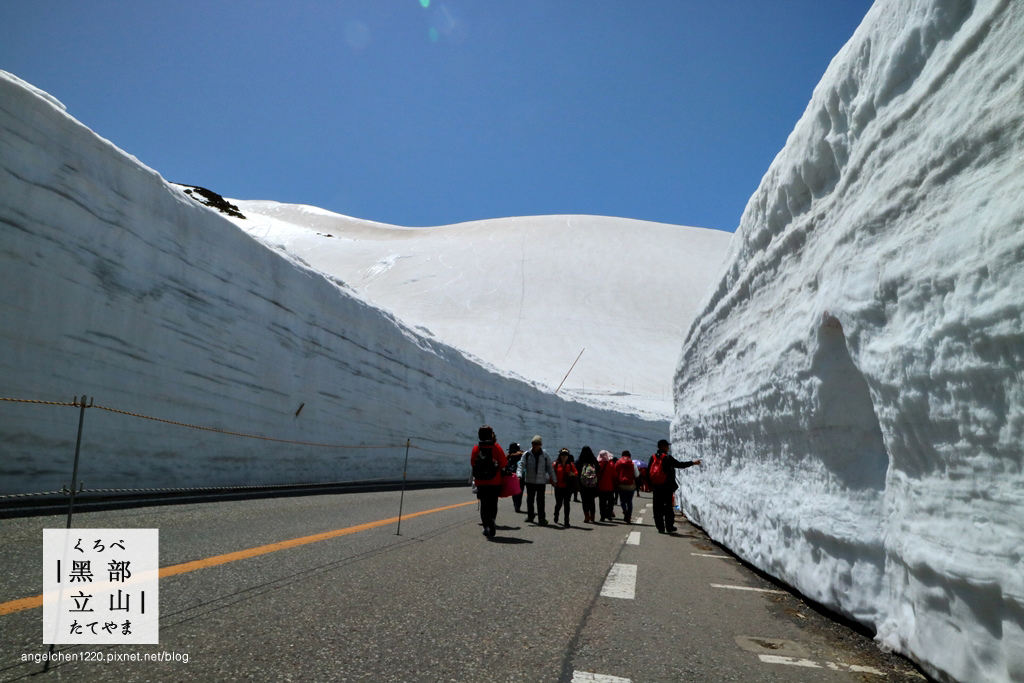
{"x":790,"y":661}
{"x":721,"y":557}
{"x":587,"y":677}
{"x":633,"y":538}
{"x":748,"y":588}
{"x":621,"y":582}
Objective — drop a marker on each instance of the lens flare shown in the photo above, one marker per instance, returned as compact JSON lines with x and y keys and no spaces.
{"x":357,"y":35}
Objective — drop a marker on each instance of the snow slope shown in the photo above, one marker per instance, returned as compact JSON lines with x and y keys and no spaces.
{"x":525,"y":295}
{"x":854,"y":382}
{"x":121,"y":286}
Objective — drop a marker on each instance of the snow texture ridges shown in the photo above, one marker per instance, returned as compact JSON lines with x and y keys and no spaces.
{"x":854,"y":382}
{"x":120,"y":286}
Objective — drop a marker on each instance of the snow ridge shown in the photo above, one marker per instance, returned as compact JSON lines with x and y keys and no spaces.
{"x":525,"y":294}
{"x":853,"y":382}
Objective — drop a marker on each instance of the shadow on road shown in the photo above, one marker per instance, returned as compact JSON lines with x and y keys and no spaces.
{"x":511,"y":540}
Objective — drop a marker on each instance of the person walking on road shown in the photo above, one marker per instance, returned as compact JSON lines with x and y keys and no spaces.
{"x":487,"y":461}
{"x":515,"y":454}
{"x":565,"y":473}
{"x":606,"y":485}
{"x":587,"y":466}
{"x":661,"y":470}
{"x":535,"y":469}
{"x":574,"y":485}
{"x":626,"y":473}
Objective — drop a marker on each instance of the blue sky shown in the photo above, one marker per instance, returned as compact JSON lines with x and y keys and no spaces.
{"x":428,"y":113}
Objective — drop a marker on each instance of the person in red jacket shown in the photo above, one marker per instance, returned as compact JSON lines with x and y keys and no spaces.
{"x":487,"y":461}
{"x":662,"y":470}
{"x":606,"y":485}
{"x":626,"y":473}
{"x":565,"y":471}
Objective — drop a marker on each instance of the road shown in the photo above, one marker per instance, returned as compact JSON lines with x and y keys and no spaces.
{"x":439,"y":602}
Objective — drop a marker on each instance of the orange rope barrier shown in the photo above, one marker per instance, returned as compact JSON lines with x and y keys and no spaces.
{"x":77,"y":404}
{"x":427,"y":450}
{"x":229,"y":433}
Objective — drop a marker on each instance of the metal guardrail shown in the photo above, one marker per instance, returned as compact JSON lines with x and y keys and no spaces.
{"x":56,"y":502}
{"x":77,"y":497}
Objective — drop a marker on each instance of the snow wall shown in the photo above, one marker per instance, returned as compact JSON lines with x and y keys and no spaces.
{"x":118,"y":285}
{"x":854,"y":382}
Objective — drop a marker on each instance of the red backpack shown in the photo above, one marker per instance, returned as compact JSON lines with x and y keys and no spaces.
{"x":656,"y":471}
{"x":624,"y":472}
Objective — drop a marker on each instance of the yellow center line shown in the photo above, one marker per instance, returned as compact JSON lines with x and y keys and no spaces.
{"x":185,"y":567}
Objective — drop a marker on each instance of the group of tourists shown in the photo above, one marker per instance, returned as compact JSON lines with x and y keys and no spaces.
{"x":600,"y":481}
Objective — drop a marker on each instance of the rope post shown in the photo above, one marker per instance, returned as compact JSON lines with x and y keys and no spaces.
{"x":74,"y":469}
{"x":401,"y":501}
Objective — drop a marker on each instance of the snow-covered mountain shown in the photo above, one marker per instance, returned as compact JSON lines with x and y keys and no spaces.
{"x":855,"y":382}
{"x":525,"y":295}
{"x":123,"y":287}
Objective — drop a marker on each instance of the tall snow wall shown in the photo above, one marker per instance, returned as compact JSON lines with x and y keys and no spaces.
{"x":854,"y":382}
{"x":117,"y":285}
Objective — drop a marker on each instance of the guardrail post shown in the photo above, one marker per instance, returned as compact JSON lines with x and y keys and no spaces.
{"x":401,"y":501}
{"x":74,"y":469}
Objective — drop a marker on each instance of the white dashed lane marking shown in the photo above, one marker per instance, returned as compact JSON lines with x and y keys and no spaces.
{"x":748,"y":588}
{"x":587,"y":677}
{"x":621,"y":582}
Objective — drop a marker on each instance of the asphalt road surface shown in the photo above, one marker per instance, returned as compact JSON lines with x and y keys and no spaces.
{"x":602,"y":603}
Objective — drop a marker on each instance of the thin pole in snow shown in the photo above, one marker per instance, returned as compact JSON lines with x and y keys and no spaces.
{"x":74,"y":469}
{"x":570,"y":369}
{"x":71,"y":493}
{"x":401,"y":501}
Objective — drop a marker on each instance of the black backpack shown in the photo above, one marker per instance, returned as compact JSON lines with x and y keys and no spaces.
{"x":485,"y":467}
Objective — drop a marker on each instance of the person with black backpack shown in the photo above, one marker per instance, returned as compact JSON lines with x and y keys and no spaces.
{"x":661,"y":470}
{"x":487,"y":461}
{"x":587,"y":466}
